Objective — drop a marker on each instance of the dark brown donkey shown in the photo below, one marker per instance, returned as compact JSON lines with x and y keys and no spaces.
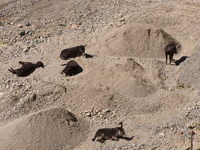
{"x":72,"y":68}
{"x":170,"y":49}
{"x":110,"y":133}
{"x":26,"y":69}
{"x":72,"y":52}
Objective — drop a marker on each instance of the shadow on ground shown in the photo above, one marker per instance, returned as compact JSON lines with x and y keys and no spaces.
{"x":128,"y":138}
{"x":182,"y":59}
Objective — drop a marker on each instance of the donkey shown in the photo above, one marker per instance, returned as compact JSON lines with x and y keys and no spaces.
{"x":26,"y":69}
{"x":109,"y":133}
{"x":170,"y":49}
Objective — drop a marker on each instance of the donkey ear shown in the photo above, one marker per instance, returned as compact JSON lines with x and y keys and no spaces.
{"x":84,"y":45}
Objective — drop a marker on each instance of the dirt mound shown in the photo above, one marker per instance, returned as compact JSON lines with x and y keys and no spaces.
{"x":55,"y":128}
{"x":137,"y":40}
{"x":126,"y":76}
{"x":133,"y":87}
{"x":134,"y":83}
{"x":189,"y":76}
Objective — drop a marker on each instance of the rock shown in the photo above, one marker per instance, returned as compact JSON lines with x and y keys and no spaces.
{"x":27,"y":32}
{"x":189,"y":76}
{"x":74,"y":26}
{"x":59,"y":32}
{"x":88,"y":114}
{"x":28,"y":24}
{"x":31,"y":32}
{"x":122,"y":20}
{"x":1,"y":23}
{"x":32,"y":43}
{"x":1,"y":94}
{"x":20,"y":104}
{"x":78,"y":23}
{"x":17,"y":19}
{"x":32,"y":97}
{"x":26,"y":49}
{"x":20,"y":26}
{"x":120,"y":15}
{"x":192,"y":125}
{"x":61,"y":24}
{"x":162,"y":135}
{"x":22,"y":33}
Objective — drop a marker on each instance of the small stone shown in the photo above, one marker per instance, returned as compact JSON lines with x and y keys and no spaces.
{"x":1,"y":94}
{"x":122,"y":20}
{"x":88,"y":114}
{"x":22,"y":33}
{"x":21,"y":103}
{"x":74,"y":26}
{"x":33,"y":97}
{"x":1,"y":23}
{"x":61,"y":24}
{"x":20,"y":26}
{"x":161,"y":135}
{"x":28,"y":24}
{"x":32,"y":43}
{"x":192,"y":125}
{"x":59,"y":32}
{"x":17,"y":19}
{"x":78,"y":23}
{"x":26,"y":49}
{"x":120,"y":15}
{"x":27,"y":32}
{"x":188,"y":126}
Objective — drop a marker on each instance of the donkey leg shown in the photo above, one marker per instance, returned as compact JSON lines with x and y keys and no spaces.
{"x":12,"y":70}
{"x":170,"y":58}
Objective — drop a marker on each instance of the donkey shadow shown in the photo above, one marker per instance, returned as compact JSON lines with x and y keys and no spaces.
{"x":128,"y":138}
{"x":182,"y":59}
{"x":88,"y":56}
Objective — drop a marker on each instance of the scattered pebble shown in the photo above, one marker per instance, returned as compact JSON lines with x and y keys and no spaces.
{"x":1,"y":94}
{"x":26,"y":49}
{"x":162,"y":135}
{"x":122,"y":20}
{"x":20,"y":26}
{"x":22,"y":33}
{"x":28,"y":24}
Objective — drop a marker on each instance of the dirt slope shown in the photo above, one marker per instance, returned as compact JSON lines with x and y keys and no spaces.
{"x":138,"y":40}
{"x":124,"y":76}
{"x":55,"y":128}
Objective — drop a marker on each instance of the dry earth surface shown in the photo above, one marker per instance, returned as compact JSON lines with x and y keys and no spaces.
{"x":124,"y":76}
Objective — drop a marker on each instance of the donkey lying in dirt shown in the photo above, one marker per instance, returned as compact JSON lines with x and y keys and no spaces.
{"x":110,"y":133}
{"x":26,"y":68}
{"x":170,"y":49}
{"x":72,"y":68}
{"x":72,"y":52}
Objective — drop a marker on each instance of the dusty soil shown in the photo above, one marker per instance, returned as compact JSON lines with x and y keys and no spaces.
{"x":124,"y":76}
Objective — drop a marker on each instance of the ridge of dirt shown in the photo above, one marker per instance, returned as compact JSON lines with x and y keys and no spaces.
{"x":55,"y":128}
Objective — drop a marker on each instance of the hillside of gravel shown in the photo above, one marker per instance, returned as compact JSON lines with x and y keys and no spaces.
{"x":124,"y":74}
{"x":55,"y":128}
